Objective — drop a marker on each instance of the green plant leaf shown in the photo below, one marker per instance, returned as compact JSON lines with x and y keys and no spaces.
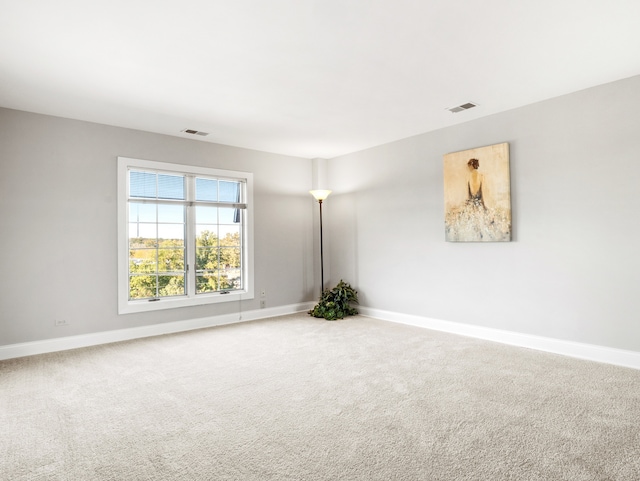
{"x":335,"y":303}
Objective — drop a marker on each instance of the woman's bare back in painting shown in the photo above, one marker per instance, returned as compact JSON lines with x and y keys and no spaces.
{"x":474,"y":184}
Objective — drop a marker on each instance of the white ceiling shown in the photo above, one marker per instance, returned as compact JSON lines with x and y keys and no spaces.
{"x":309,"y":78}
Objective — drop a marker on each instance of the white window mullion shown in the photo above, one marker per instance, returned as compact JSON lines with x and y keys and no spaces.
{"x":190,"y":240}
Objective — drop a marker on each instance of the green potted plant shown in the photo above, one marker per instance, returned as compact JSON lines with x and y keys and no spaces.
{"x":336,"y":303}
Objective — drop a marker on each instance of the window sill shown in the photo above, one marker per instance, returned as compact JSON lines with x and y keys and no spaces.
{"x":130,"y":307}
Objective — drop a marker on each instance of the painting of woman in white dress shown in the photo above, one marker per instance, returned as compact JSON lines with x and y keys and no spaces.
{"x":477,"y":198}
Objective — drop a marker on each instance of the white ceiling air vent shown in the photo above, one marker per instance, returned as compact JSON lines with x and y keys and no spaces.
{"x":460,"y":108}
{"x":195,"y":132}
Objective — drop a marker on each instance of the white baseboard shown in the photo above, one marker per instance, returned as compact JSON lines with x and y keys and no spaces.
{"x":591,"y":352}
{"x":11,"y":351}
{"x":618,"y":357}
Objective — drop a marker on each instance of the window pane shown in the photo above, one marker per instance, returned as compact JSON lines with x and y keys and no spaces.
{"x":230,"y":257}
{"x":140,"y":243}
{"x":206,"y":189}
{"x":227,"y":215}
{"x":170,"y":260}
{"x":206,"y":214}
{"x":170,"y":213}
{"x":171,"y":286}
{"x":233,"y":278}
{"x":207,"y":282}
{"x":229,"y":191}
{"x":148,"y":232}
{"x":171,"y":232}
{"x":142,"y":184}
{"x":206,"y":258}
{"x":206,"y":235}
{"x":229,"y":235}
{"x":139,"y":212}
{"x":170,"y":186}
{"x":142,"y":287}
{"x":142,"y":261}
{"x":223,"y":282}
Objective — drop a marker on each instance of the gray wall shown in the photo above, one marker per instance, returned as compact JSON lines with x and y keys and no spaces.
{"x":572,"y":271}
{"x":58,"y":247}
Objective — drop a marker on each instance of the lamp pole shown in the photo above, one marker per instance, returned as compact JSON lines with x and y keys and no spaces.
{"x":321,"y":195}
{"x":321,"y":252}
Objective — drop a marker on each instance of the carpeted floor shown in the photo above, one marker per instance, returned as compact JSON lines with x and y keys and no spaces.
{"x":297,"y":398}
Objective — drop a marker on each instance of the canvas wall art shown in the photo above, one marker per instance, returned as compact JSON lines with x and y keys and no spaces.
{"x":477,"y":195}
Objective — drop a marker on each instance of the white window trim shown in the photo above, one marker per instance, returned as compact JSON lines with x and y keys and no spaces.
{"x":125,"y":306}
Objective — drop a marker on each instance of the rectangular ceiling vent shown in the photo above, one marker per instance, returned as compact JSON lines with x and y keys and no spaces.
{"x":195,"y":132}
{"x":461,"y":108}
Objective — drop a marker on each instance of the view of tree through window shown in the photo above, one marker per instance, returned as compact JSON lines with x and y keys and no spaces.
{"x":218,"y":246}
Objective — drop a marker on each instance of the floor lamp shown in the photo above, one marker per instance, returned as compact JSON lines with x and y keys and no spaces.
{"x":321,"y":195}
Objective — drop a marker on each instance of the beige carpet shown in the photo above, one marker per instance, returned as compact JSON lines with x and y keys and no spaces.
{"x":297,"y":398}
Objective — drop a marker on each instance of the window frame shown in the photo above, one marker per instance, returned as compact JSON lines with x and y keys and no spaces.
{"x":127,"y":306}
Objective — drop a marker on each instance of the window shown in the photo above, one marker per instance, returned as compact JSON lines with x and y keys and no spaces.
{"x":184,"y":235}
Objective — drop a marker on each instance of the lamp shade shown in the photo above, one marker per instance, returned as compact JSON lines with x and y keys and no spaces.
{"x":320,"y":195}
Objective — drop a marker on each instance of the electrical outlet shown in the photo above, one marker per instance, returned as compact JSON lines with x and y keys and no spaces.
{"x":263,"y":293}
{"x":263,"y":304}
{"x":60,"y":322}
